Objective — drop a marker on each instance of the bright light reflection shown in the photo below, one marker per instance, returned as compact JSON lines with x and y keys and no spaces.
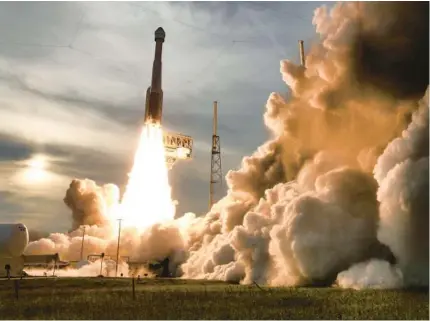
{"x":35,"y":171}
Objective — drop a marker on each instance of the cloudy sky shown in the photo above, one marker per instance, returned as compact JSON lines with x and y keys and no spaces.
{"x":73,"y":77}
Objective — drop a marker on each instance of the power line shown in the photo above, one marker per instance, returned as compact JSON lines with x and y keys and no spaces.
{"x":106,"y":60}
{"x":69,"y":45}
{"x":29,"y":44}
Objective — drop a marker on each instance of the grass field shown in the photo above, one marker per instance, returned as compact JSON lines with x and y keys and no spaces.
{"x":95,"y":298}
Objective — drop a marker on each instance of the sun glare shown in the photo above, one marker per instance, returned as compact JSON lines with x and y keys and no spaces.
{"x":35,"y":170}
{"x":37,"y":162}
{"x":147,"y":197}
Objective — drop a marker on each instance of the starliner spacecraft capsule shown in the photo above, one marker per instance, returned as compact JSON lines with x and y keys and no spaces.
{"x":154,"y":94}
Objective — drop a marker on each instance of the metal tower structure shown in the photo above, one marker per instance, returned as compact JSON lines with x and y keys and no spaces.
{"x":216,"y":171}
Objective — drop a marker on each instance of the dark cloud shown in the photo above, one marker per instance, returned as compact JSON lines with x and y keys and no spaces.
{"x":35,"y":235}
{"x":198,"y":125}
{"x":13,"y":149}
{"x":5,"y":196}
{"x":393,"y":57}
{"x":118,"y":112}
{"x":85,"y":163}
{"x":36,"y":212}
{"x":229,"y":10}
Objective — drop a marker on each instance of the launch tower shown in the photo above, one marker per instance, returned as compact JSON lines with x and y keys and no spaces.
{"x":216,"y":171}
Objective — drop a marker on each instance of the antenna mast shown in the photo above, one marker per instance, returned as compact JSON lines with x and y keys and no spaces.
{"x":216,"y":171}
{"x":302,"y":53}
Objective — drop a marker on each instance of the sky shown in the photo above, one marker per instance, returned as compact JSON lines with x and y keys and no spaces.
{"x":73,"y":79}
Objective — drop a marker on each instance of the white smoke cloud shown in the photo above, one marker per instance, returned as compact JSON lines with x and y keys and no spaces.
{"x":85,"y":269}
{"x":90,"y":203}
{"x":296,"y":234}
{"x":153,"y":243}
{"x":402,"y":172}
{"x":375,"y":274}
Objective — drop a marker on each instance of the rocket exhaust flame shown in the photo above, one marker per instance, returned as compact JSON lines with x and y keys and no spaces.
{"x":147,"y":198}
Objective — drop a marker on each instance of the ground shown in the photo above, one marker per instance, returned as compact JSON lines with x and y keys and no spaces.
{"x":104,"y":298}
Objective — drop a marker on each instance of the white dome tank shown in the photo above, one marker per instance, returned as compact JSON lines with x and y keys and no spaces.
{"x":13,"y":239}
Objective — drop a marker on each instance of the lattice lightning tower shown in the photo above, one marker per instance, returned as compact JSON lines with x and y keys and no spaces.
{"x":216,"y":171}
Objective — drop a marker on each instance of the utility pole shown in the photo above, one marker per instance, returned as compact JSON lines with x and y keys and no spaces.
{"x":216,"y":171}
{"x":82,"y":245}
{"x":101,"y":263}
{"x":117,"y":249}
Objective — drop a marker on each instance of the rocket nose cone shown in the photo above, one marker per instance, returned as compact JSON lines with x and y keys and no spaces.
{"x":160,"y":34}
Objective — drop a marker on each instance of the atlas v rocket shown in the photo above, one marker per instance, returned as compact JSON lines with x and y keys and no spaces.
{"x":154,"y":94}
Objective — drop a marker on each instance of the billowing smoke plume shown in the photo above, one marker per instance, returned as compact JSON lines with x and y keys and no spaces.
{"x":322,"y":215}
{"x":154,"y":243}
{"x":402,"y":172}
{"x":90,"y":204}
{"x":376,"y":274}
{"x":340,"y":192}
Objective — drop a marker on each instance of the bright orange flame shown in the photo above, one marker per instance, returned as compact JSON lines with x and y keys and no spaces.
{"x":147,"y":198}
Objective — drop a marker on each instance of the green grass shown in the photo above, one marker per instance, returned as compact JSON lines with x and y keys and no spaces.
{"x":93,"y":298}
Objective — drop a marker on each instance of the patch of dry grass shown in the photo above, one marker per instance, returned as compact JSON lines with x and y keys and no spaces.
{"x":93,"y":298}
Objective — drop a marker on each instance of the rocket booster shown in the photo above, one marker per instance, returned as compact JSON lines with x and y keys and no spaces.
{"x":154,"y":94}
